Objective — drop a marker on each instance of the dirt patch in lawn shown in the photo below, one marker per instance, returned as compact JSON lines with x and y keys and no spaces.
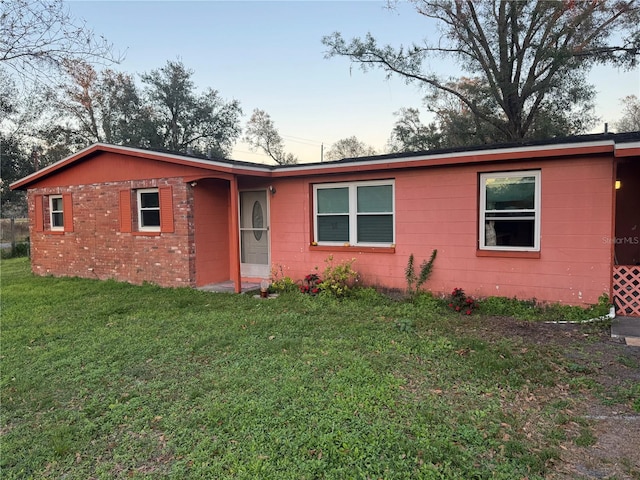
{"x":605,"y":443}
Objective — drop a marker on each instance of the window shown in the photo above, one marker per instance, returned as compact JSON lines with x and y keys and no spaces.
{"x":56,"y":212}
{"x":53,"y":213}
{"x":356,"y":213}
{"x":510,"y":211}
{"x":146,"y":210}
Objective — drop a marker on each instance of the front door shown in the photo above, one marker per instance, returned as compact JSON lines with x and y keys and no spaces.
{"x":254,"y":234}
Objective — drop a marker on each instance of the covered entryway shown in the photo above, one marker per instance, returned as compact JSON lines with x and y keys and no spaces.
{"x":626,"y":271}
{"x":254,"y":234}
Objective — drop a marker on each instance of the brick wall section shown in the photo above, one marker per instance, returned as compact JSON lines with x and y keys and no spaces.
{"x":97,"y":248}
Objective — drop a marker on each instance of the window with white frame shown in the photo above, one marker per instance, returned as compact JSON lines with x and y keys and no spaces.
{"x":359,"y":213}
{"x":510,"y":211}
{"x":148,"y":209}
{"x":56,"y":212}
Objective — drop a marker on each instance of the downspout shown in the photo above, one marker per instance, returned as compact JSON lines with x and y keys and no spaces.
{"x":234,"y":236}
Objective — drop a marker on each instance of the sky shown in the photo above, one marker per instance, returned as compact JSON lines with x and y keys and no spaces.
{"x":269,"y":55}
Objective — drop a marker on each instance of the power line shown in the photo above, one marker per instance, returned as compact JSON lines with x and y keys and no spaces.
{"x":306,"y":141}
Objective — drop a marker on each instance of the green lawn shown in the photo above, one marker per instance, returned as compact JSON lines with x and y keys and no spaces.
{"x":108,"y":380}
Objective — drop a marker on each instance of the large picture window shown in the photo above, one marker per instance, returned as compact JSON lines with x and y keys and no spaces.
{"x":510,"y":211}
{"x":356,"y":213}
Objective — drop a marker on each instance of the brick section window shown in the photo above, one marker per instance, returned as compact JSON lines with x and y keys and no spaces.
{"x":54,"y":213}
{"x":148,"y":207}
{"x":146,"y":210}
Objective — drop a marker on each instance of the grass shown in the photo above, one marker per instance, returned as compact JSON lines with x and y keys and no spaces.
{"x":108,"y":380}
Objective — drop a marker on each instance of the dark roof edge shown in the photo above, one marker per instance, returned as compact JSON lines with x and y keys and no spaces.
{"x":612,"y":139}
{"x":615,"y":138}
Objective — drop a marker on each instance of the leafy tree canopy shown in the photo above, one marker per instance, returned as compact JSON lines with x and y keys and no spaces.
{"x":526,"y":61}
{"x":203,"y":123}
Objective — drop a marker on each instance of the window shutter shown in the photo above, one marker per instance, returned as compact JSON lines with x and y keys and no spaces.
{"x":39,"y":212}
{"x":125,"y":211}
{"x":67,"y":206}
{"x":166,"y":209}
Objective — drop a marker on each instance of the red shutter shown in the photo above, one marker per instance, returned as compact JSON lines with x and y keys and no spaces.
{"x":39,"y":212}
{"x":166,"y":209}
{"x":67,"y":212}
{"x":125,"y":211}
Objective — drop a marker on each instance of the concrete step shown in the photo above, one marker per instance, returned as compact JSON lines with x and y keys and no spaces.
{"x":627,"y":328}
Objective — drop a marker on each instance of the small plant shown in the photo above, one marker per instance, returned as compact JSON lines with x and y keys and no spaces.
{"x":405,"y":325}
{"x":280,"y":282}
{"x":459,"y":302}
{"x":339,"y":279}
{"x":414,"y":282}
{"x":311,"y":284}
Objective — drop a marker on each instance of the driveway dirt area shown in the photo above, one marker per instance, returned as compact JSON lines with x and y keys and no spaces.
{"x":603,"y":432}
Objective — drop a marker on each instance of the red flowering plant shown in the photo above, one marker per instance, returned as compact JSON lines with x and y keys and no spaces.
{"x":459,"y":302}
{"x":311,"y":284}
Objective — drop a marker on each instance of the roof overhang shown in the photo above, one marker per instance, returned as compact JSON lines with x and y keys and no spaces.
{"x":618,"y":145}
{"x":219,"y":166}
{"x":631,"y":149}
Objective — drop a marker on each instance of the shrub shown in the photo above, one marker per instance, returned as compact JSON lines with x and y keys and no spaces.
{"x":459,"y":302}
{"x":426,"y":267}
{"x":280,"y":282}
{"x":311,"y":284}
{"x":20,"y":249}
{"x":339,"y":279}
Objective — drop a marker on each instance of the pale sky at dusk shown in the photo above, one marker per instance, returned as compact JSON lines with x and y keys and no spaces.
{"x":269,"y":55}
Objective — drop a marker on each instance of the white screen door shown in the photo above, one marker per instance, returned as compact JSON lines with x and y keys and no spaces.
{"x":254,"y":234}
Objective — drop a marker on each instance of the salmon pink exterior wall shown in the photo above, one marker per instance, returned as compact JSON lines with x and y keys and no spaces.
{"x":437,"y":208}
{"x":212,"y":235}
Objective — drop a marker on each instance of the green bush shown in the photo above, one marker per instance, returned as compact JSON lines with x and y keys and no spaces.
{"x":21,"y":249}
{"x":339,"y":280}
{"x":280,"y":282}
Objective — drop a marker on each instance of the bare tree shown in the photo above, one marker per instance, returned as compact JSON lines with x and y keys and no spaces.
{"x":630,"y":121}
{"x":261,"y":133}
{"x":527,"y":55}
{"x":349,"y":147}
{"x":38,"y":36}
